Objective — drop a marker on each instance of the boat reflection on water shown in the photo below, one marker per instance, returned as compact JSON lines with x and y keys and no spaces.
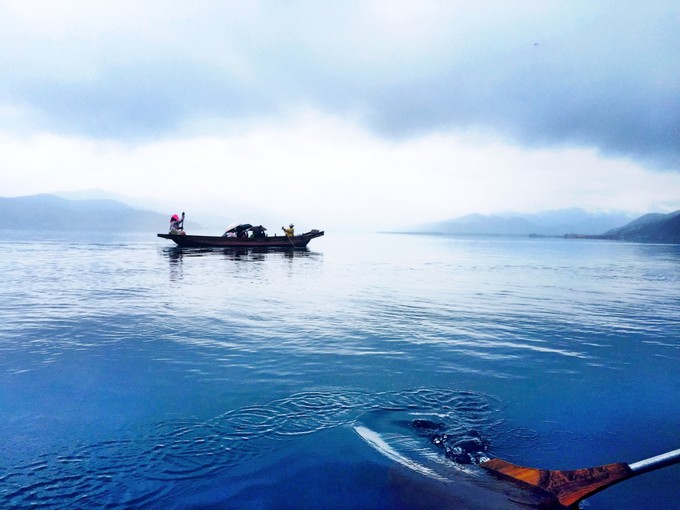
{"x":176,"y":256}
{"x":177,"y":253}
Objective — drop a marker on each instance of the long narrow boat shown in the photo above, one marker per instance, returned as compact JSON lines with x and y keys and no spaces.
{"x":192,"y":241}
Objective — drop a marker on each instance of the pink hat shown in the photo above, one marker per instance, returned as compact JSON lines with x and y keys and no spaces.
{"x":174,"y":217}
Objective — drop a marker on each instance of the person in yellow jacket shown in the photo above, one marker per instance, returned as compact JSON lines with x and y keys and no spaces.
{"x":290,"y":231}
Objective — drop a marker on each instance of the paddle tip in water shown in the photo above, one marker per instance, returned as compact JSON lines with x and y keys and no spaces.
{"x":568,"y":487}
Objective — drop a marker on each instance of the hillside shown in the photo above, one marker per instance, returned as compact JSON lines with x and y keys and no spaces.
{"x":49,"y":212}
{"x":548,"y":223}
{"x":651,"y":228}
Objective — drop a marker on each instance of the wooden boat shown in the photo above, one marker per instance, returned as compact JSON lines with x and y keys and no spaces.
{"x":193,"y":241}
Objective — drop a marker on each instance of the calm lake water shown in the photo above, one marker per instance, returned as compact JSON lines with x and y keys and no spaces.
{"x":137,"y":375}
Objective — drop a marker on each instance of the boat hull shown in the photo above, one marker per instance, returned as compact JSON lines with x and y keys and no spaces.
{"x":279,"y":242}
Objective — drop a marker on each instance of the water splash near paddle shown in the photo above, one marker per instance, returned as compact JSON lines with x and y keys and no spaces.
{"x":468,"y":447}
{"x":435,"y":457}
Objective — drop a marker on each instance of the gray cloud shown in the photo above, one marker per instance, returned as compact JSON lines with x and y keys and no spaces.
{"x":608,"y":79}
{"x":548,"y":100}
{"x":133,"y":102}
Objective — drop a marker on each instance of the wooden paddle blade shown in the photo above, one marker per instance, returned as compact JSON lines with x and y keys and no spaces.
{"x":569,"y":487}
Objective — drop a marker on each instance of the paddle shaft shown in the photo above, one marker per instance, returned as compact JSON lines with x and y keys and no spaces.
{"x":288,"y":237}
{"x":663,"y":460}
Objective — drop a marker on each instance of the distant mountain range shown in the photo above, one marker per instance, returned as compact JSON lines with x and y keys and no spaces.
{"x":656,"y":227}
{"x":50,"y":212}
{"x":214,"y":214}
{"x":55,"y":213}
{"x":547,"y":223}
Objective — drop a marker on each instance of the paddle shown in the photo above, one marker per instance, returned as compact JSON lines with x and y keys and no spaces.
{"x":570,"y":487}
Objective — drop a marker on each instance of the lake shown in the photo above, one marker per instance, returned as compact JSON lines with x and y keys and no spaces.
{"x":138,"y":375}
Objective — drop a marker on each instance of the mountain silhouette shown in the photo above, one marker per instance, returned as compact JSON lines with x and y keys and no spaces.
{"x":53,"y":213}
{"x":651,"y":228}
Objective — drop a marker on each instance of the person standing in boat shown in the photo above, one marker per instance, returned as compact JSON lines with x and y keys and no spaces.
{"x":290,"y":231}
{"x":177,"y":224}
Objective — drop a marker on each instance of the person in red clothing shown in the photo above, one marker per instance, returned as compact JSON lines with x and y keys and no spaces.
{"x":177,"y":224}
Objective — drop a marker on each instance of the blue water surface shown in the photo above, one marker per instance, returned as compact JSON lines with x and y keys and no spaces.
{"x":134,"y":374}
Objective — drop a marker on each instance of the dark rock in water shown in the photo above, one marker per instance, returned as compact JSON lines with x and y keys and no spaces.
{"x":461,"y":447}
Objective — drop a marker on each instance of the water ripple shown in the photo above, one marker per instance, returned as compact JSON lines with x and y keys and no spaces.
{"x":95,"y":475}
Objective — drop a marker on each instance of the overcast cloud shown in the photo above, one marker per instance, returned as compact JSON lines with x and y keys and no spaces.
{"x":601,"y":77}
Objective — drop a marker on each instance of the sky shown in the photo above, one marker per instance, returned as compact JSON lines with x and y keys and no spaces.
{"x":344,"y":114}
